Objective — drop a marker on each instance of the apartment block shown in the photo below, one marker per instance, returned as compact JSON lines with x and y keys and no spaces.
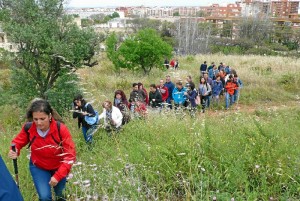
{"x":230,"y":10}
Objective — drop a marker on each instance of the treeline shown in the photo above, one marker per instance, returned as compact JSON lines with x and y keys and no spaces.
{"x":259,"y":36}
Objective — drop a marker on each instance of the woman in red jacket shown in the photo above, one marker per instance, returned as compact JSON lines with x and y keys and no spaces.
{"x":52,"y":150}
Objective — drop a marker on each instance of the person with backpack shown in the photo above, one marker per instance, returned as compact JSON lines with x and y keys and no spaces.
{"x":191,"y":94}
{"x":203,"y":68}
{"x":204,"y":91}
{"x":144,"y":92}
{"x":178,"y":95}
{"x":163,"y":90}
{"x":210,"y":82}
{"x":112,"y":117}
{"x":155,"y":98}
{"x":52,"y":150}
{"x":217,"y":87}
{"x":120,"y":101}
{"x":87,"y":117}
{"x":230,"y":88}
{"x":170,"y":85}
{"x":239,"y":82}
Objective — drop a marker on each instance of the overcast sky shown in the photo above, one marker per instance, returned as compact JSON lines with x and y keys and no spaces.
{"x":107,"y":3}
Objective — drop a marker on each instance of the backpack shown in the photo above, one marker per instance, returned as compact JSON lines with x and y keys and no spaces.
{"x":91,"y":120}
{"x":210,"y":93}
{"x":27,"y":127}
{"x":197,"y":99}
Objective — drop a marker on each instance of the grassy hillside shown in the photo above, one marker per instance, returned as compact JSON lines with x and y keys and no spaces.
{"x":250,"y":152}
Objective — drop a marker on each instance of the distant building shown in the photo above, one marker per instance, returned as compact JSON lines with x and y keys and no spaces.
{"x":230,"y":10}
{"x":187,"y":11}
{"x":113,"y":23}
{"x":284,"y":8}
{"x":160,"y":12}
{"x":273,"y":8}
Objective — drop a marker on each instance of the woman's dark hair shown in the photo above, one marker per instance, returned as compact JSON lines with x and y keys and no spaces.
{"x":140,"y":84}
{"x":192,"y":85}
{"x":153,"y":86}
{"x":123,"y":96}
{"x":203,"y":78}
{"x":39,"y":105}
{"x":79,"y":97}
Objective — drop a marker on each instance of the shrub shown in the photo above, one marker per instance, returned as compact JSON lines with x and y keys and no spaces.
{"x":261,"y":51}
{"x":290,"y":82}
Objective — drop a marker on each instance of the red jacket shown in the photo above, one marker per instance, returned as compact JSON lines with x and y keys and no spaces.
{"x":230,"y":87}
{"x":172,"y":63}
{"x":164,"y":92}
{"x":45,"y":152}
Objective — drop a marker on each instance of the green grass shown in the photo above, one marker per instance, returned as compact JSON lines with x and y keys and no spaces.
{"x":248,"y":154}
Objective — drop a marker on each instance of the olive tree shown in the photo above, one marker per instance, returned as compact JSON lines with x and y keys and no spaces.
{"x":50,"y":44}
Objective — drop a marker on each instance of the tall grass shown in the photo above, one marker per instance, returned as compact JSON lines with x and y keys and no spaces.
{"x":240,"y":154}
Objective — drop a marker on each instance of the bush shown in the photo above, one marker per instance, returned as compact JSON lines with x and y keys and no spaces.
{"x":278,"y":47}
{"x":290,"y":82}
{"x":261,"y":51}
{"x":190,"y":58}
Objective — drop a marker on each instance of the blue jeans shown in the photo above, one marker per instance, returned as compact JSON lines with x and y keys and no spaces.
{"x":208,"y":99}
{"x":41,"y":180}
{"x":169,"y":102}
{"x":236,"y":95}
{"x":84,"y":131}
{"x":229,"y":99}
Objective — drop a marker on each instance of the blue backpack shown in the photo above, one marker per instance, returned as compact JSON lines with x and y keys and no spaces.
{"x":91,"y":120}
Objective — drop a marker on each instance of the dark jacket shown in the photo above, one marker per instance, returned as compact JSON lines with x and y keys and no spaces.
{"x":191,"y":96}
{"x":137,"y":96}
{"x":158,"y":98}
{"x":8,"y":187}
{"x":84,"y":108}
{"x":203,"y":67}
{"x":170,"y":87}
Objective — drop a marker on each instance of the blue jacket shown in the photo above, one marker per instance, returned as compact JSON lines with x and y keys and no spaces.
{"x":211,"y":73}
{"x":8,"y":187}
{"x":217,"y":87}
{"x":178,"y":96}
{"x":170,"y":87}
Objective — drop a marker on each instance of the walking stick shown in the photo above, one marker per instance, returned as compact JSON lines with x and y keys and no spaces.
{"x":13,"y":147}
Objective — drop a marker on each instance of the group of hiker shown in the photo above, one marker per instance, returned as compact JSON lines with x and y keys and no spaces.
{"x":53,"y":150}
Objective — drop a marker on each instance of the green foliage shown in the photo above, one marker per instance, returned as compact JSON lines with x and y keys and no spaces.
{"x":60,"y":95}
{"x":142,"y":51}
{"x":290,"y":81}
{"x":112,"y":53}
{"x":226,"y":49}
{"x":86,"y":22}
{"x":176,"y":14}
{"x":190,"y":58}
{"x":63,"y":92}
{"x":278,"y":47}
{"x":51,"y":44}
{"x":144,"y":23}
{"x":261,"y":51}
